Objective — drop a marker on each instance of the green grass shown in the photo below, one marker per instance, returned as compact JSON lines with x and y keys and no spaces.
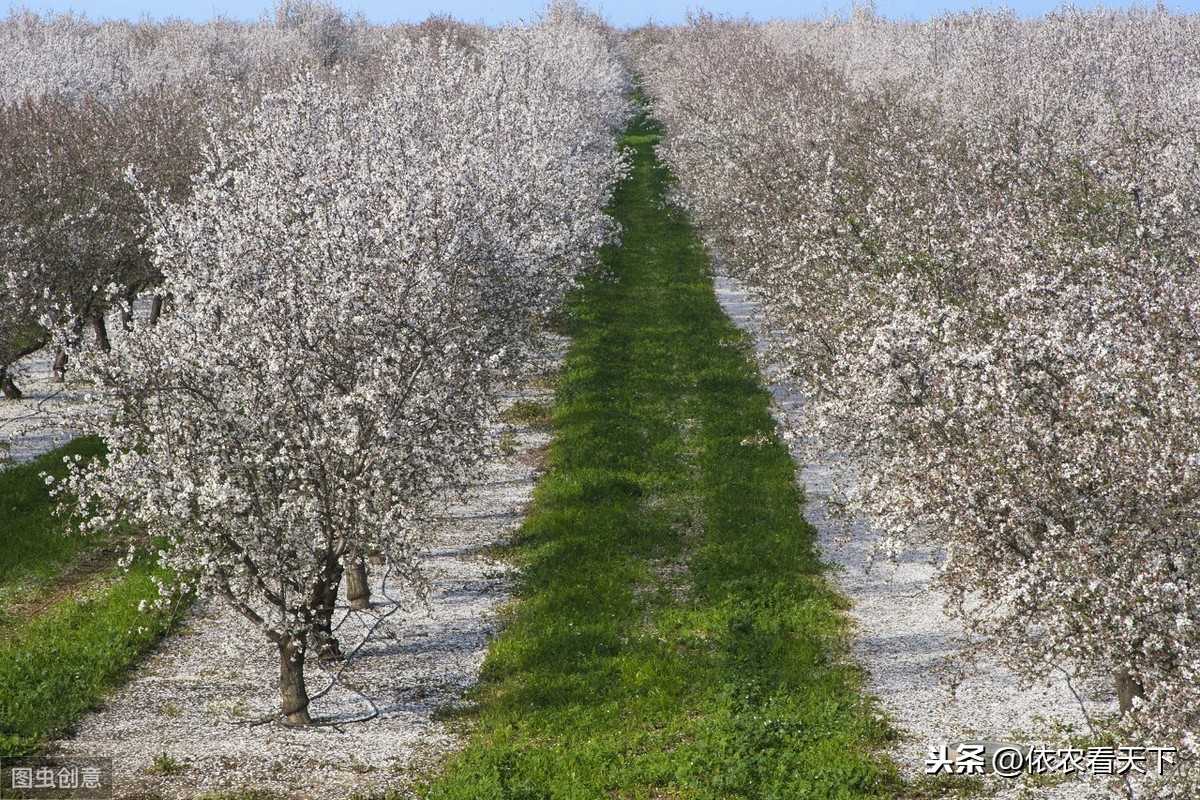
{"x":167,"y":764}
{"x":34,"y":549}
{"x":527,"y":412}
{"x":61,"y":660}
{"x":673,"y":634}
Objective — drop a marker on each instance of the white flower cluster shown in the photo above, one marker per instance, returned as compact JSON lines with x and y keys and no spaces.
{"x":91,"y":114}
{"x":977,"y":239}
{"x":73,"y":227}
{"x":353,"y":271}
{"x":71,"y":56}
{"x":94,"y":114}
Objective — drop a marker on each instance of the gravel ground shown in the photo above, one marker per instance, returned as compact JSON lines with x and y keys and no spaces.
{"x":50,"y":414}
{"x":903,"y":638}
{"x":185,"y":722}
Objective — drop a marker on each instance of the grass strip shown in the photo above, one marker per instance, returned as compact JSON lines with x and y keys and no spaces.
{"x":87,"y":631}
{"x":34,"y":552}
{"x":672,"y":633}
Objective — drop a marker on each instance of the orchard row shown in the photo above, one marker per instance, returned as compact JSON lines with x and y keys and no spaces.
{"x":348,"y":260}
{"x":976,"y":244}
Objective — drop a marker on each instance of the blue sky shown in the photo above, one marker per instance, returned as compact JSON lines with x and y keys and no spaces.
{"x":620,"y":12}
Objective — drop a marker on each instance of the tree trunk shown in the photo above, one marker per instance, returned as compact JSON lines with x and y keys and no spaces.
{"x":358,"y":592}
{"x":293,"y":694}
{"x":60,"y":365}
{"x":327,"y":646}
{"x":1128,"y":687}
{"x":100,"y":328}
{"x":60,"y":358}
{"x":156,"y":308}
{"x":10,"y":389}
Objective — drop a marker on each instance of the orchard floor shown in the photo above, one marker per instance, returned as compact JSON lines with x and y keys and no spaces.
{"x":673,"y":634}
{"x":50,"y":414}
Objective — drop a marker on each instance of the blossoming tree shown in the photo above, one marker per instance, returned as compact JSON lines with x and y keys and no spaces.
{"x":352,"y":275}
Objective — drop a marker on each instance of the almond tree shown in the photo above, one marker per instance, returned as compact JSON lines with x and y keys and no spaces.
{"x":312,"y":388}
{"x":74,"y":229}
{"x":20,"y":333}
{"x":349,"y":279}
